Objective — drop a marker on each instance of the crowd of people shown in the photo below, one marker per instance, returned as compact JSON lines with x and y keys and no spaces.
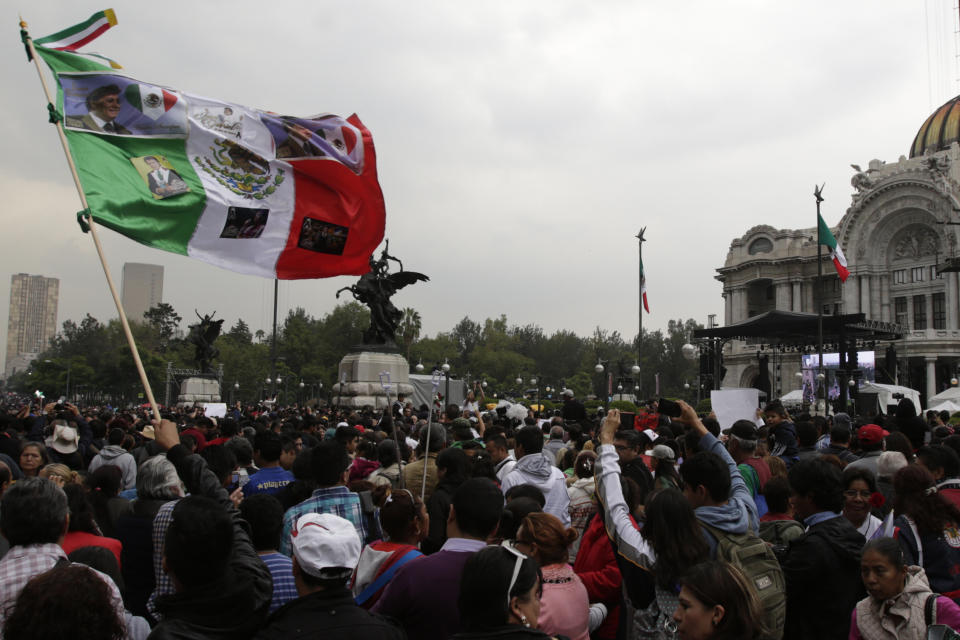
{"x":473,"y":523}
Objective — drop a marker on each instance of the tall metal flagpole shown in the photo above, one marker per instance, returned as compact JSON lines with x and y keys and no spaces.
{"x":88,"y":220}
{"x":818,"y":195}
{"x":273,"y":339}
{"x":640,"y":241}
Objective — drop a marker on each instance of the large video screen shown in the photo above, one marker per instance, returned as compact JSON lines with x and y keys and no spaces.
{"x":831,"y":362}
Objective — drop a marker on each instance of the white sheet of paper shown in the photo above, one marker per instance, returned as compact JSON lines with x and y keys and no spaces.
{"x":731,"y":405}
{"x":214,"y":409}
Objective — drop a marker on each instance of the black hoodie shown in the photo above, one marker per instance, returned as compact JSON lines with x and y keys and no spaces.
{"x":233,"y":605}
{"x":822,"y":570}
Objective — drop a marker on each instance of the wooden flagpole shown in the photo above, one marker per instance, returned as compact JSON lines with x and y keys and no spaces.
{"x":93,"y":231}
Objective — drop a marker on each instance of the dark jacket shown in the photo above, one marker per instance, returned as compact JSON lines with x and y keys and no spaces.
{"x":134,"y":529}
{"x":331,"y":615}
{"x":230,"y":606}
{"x":438,"y":506}
{"x":822,"y":570}
{"x":841,"y":452}
{"x":506,"y":632}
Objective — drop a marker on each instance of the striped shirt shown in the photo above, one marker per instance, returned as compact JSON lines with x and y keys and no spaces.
{"x":284,"y":587}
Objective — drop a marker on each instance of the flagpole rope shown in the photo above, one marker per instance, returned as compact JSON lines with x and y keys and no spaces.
{"x":93,"y":232}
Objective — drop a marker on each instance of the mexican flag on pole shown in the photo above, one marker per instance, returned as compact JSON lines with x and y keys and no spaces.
{"x":825,"y":236}
{"x":247,"y":190}
{"x":643,"y":287}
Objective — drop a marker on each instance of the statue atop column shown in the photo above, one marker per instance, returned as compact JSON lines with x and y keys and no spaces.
{"x":374,"y":289}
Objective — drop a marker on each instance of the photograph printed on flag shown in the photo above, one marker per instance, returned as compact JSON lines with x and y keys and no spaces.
{"x":116,"y":105}
{"x":161,"y":178}
{"x":318,"y":137}
{"x":322,"y":237}
{"x":245,"y":223}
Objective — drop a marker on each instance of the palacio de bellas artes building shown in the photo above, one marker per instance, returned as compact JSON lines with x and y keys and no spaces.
{"x":900,"y":238}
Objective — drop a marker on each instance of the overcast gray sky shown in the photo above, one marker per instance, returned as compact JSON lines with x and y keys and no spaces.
{"x":521,"y":145}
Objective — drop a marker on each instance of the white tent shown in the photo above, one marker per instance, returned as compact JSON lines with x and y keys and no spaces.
{"x":794,"y":397}
{"x":945,"y":405}
{"x":951,"y":394}
{"x":885,"y":394}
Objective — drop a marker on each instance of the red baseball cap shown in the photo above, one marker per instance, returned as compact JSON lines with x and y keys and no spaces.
{"x":871,"y":433}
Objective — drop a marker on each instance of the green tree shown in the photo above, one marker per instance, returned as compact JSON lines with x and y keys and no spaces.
{"x":240,"y":333}
{"x":164,"y":319}
{"x":409,"y":329}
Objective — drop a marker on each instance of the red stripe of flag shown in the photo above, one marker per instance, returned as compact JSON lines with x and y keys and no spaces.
{"x":92,"y":36}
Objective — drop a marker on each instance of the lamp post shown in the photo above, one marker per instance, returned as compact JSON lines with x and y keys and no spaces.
{"x":300,"y":395}
{"x":235,"y":392}
{"x":446,"y":374}
{"x":600,"y":368}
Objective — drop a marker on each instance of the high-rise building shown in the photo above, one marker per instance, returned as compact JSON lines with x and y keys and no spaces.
{"x":141,"y":288}
{"x":33,"y":319}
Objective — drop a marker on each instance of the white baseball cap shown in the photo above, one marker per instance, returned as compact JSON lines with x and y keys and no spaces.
{"x":324,"y":542}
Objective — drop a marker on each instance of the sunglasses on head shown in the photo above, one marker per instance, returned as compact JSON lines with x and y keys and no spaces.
{"x":511,"y":547}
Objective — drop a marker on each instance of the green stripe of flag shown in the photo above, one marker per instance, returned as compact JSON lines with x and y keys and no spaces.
{"x":121,"y":200}
{"x":106,"y":14}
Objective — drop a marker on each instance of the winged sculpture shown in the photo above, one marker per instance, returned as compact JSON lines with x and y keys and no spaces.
{"x":375,"y":289}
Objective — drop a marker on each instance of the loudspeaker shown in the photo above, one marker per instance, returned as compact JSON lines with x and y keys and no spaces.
{"x":867,"y":403}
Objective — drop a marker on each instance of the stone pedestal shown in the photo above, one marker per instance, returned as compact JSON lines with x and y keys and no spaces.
{"x":199,"y":390}
{"x":361,"y":372}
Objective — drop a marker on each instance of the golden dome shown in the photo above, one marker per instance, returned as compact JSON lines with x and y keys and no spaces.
{"x":939,"y":131}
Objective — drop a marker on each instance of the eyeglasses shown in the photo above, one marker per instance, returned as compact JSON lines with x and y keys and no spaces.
{"x":852,"y":493}
{"x":512,"y":548}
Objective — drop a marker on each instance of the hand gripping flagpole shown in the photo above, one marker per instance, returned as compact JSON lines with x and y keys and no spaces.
{"x":426,"y":451}
{"x":385,"y":384}
{"x":88,"y":219}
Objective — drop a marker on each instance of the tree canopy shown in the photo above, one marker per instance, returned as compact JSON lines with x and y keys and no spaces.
{"x":309,"y":350}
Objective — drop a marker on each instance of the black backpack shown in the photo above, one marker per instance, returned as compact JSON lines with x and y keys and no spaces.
{"x":756,"y":560}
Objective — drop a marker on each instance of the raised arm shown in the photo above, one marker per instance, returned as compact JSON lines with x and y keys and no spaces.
{"x":616,"y":517}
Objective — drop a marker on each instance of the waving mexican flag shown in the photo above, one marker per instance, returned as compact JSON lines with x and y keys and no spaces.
{"x":247,"y":190}
{"x":825,"y":236}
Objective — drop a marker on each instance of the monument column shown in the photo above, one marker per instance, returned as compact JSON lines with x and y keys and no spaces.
{"x":798,"y":296}
{"x":864,"y":283}
{"x":727,"y":308}
{"x":874,"y":312}
{"x":782,"y":296}
{"x":931,"y":376}
{"x":850,"y":295}
{"x":739,"y":305}
{"x":951,"y":300}
{"x":885,"y":312}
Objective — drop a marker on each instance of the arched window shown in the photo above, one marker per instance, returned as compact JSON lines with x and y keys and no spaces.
{"x":760,"y":245}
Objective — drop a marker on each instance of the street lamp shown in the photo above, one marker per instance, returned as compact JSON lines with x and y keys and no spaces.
{"x":419,"y":366}
{"x":598,"y":367}
{"x":446,"y":374}
{"x":689,"y":351}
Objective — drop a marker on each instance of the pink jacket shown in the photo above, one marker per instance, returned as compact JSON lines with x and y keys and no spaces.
{"x":564,"y":607}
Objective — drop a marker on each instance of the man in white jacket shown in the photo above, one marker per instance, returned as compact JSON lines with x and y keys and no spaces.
{"x":536,"y":469}
{"x":114,"y":454}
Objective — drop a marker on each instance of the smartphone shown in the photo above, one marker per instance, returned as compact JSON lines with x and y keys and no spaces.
{"x":668,"y":408}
